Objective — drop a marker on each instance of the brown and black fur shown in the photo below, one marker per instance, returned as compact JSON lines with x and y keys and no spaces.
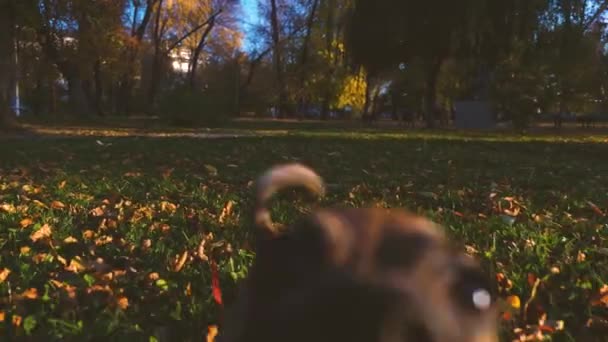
{"x":356,"y":275}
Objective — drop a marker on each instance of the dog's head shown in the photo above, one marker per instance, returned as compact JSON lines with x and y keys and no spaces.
{"x":358,"y":275}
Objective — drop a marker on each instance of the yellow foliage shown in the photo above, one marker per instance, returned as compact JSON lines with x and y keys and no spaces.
{"x":352,"y":92}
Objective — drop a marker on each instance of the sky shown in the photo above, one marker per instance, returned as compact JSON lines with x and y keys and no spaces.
{"x":250,"y":16}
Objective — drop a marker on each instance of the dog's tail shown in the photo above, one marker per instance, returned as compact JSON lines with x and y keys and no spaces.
{"x":278,"y":178}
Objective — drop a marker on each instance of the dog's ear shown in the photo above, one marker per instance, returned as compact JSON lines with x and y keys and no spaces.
{"x":281,"y":177}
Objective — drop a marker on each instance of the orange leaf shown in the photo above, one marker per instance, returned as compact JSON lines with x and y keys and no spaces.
{"x":25,"y":250}
{"x":153,"y":276}
{"x":57,"y":205}
{"x":9,"y":208}
{"x":17,"y":320}
{"x":123,"y":302}
{"x":211,"y":333}
{"x":507,"y":316}
{"x":43,"y":233}
{"x":26,"y":222}
{"x":97,"y":212}
{"x":181,"y":262}
{"x":62,"y":185}
{"x":226,"y":211}
{"x":4,"y":274}
{"x":75,"y":266}
{"x":31,"y":293}
{"x":2,"y":316}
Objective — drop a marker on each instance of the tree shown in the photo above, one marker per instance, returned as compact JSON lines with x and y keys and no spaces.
{"x":383,"y":34}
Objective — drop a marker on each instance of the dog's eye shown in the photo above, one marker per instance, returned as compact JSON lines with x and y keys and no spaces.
{"x":472,"y":290}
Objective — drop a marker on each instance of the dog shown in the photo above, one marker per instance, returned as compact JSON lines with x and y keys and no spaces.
{"x":356,"y":274}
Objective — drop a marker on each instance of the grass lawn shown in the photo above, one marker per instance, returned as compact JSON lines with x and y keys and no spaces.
{"x":104,"y":239}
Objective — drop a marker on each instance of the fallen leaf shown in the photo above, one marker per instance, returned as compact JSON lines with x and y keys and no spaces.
{"x":4,"y":274}
{"x":215,"y":283}
{"x":596,"y":209}
{"x":179,"y":264}
{"x":212,"y":332}
{"x":7,"y":207}
{"x":57,"y":205}
{"x":531,"y":279}
{"x":153,"y":276}
{"x":601,"y":299}
{"x":2,"y":316}
{"x":75,"y":266}
{"x":26,"y":222}
{"x":62,"y":185}
{"x":226,"y":212}
{"x":43,"y":233}
{"x":70,"y":239}
{"x":17,"y":320}
{"x":514,"y":302}
{"x":211,"y":170}
{"x":31,"y":293}
{"x":580,"y":257}
{"x":24,"y":250}
{"x":123,"y":302}
{"x":88,"y":234}
{"x":40,"y":204}
{"x":168,"y":207}
{"x":97,"y":212}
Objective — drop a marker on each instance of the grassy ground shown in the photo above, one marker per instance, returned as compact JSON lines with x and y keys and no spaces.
{"x":101,"y":237}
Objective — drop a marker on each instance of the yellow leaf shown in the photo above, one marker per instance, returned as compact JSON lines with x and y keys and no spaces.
{"x":168,"y":207}
{"x":88,"y":234}
{"x":43,"y":233}
{"x":514,"y":302}
{"x":57,"y":205}
{"x":40,"y":204}
{"x":4,"y":274}
{"x":97,"y":212}
{"x":24,"y":250}
{"x":2,"y":316}
{"x":62,"y":185}
{"x":26,"y":222}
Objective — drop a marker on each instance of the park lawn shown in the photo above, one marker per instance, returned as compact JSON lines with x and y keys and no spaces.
{"x":100,"y":237}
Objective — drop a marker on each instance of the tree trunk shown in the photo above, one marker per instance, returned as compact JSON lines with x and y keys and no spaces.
{"x":7,"y":69}
{"x":329,"y":38}
{"x":97,"y":102}
{"x":156,"y":62}
{"x":431,"y":91}
{"x":278,"y":64}
{"x":197,"y":52}
{"x":304,"y":56}
{"x":127,"y":79}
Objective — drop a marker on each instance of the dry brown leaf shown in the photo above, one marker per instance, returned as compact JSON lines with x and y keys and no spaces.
{"x":153,"y":276}
{"x":24,"y":250}
{"x":26,"y":222}
{"x":62,"y":184}
{"x":581,"y":257}
{"x":226,"y":212}
{"x":179,"y":264}
{"x":189,"y":289}
{"x":601,"y":299}
{"x":146,"y":244}
{"x":4,"y":274}
{"x":57,"y":205}
{"x":43,"y":233}
{"x":31,"y":293}
{"x":99,"y":288}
